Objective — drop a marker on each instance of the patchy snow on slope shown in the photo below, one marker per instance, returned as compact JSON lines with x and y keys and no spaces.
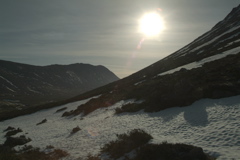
{"x":231,"y":43}
{"x":9,"y":82}
{"x":37,"y":75}
{"x":203,"y":61}
{"x":74,"y":76}
{"x":237,"y":41}
{"x":135,"y":84}
{"x":186,"y":50}
{"x":10,"y":89}
{"x":210,"y":124}
{"x":214,"y":39}
{"x":32,"y":90}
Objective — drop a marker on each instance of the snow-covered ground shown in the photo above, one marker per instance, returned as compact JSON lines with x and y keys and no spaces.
{"x":210,"y":124}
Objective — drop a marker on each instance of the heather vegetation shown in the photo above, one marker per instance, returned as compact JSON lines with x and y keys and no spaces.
{"x":43,"y":121}
{"x":130,"y":107}
{"x":30,"y":153}
{"x":9,"y":128}
{"x":46,"y":86}
{"x":16,"y":141}
{"x":215,"y":77}
{"x":12,"y":131}
{"x":126,"y":143}
{"x":134,"y":145}
{"x":181,"y":88}
{"x":76,"y":129}
{"x":169,"y":151}
{"x":104,"y":100}
{"x":27,"y":152}
{"x":61,"y":109}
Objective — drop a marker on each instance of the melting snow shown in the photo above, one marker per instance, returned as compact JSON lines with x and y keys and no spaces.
{"x":74,"y":76}
{"x":33,"y":90}
{"x":10,"y":89}
{"x":8,"y":82}
{"x":37,"y":75}
{"x":138,"y":83}
{"x":214,"y":39}
{"x":210,"y":124}
{"x":186,"y":48}
{"x":229,"y":44}
{"x":201,"y":62}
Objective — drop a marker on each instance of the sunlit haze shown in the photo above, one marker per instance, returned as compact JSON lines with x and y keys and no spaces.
{"x":105,"y":32}
{"x":151,"y":24}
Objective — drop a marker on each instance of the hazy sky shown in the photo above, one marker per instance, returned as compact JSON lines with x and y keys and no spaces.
{"x":101,"y":32}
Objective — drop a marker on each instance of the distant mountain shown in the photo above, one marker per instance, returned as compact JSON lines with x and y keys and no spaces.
{"x":25,"y":85}
{"x":200,"y":76}
{"x":204,"y":76}
{"x":208,"y":67}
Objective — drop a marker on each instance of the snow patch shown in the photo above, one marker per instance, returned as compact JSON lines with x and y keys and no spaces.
{"x":210,"y":124}
{"x":135,"y":84}
{"x":10,"y":89}
{"x":37,"y":75}
{"x":9,"y":82}
{"x":203,"y":61}
{"x":33,"y":90}
{"x":214,"y":39}
{"x":231,"y":43}
{"x":74,"y":76}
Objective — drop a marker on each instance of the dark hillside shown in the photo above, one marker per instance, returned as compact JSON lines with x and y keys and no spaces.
{"x":216,"y":78}
{"x":212,"y":71}
{"x":23,"y":86}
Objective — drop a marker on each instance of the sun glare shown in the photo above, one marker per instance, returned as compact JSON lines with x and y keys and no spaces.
{"x":151,"y":24}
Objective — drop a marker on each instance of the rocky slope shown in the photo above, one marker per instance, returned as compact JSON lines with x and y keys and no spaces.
{"x":208,"y":67}
{"x":197,"y":76}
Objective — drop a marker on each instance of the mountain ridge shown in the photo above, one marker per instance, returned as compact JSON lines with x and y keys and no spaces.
{"x":30,"y":85}
{"x":193,"y":96}
{"x":215,"y":79}
{"x":183,"y":87}
{"x":233,"y":18}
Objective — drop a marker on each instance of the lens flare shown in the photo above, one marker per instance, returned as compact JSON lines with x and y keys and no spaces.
{"x":92,"y":132}
{"x":139,"y":46}
{"x":150,"y":25}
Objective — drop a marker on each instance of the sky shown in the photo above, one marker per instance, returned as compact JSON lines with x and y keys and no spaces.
{"x":101,"y":32}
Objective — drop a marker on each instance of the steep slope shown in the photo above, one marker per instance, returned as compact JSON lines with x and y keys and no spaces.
{"x":198,"y":81}
{"x":209,"y":67}
{"x":27,"y":85}
{"x":222,"y":37}
{"x":206,"y":68}
{"x":210,"y":124}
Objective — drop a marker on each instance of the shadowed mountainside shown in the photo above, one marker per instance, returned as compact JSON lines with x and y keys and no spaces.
{"x":208,"y":67}
{"x":25,"y":85}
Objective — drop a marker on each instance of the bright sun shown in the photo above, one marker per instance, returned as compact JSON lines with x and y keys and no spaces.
{"x":151,"y":24}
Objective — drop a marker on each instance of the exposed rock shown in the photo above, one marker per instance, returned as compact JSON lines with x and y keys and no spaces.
{"x":76,"y":129}
{"x":195,"y":154}
{"x":43,"y":121}
{"x":14,"y":141}
{"x":13,"y":132}
{"x":9,"y":129}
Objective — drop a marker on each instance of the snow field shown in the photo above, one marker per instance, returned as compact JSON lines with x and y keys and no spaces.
{"x":210,"y":124}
